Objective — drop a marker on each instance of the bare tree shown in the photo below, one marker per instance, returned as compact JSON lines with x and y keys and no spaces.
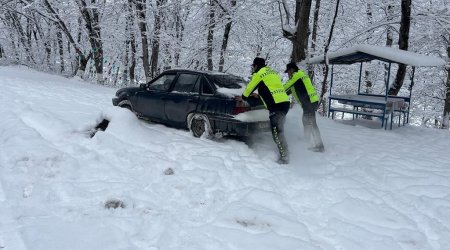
{"x":82,"y":58}
{"x":210,"y":39}
{"x":405,"y":24}
{"x":315,"y":26}
{"x":300,"y":44}
{"x":226,"y":33}
{"x":156,"y":38}
{"x":327,"y":68}
{"x":13,"y":19}
{"x":141,"y":9}
{"x":389,"y":35}
{"x":130,"y":43}
{"x":179,"y":29}
{"x":92,"y":22}
{"x":446,"y":115}
{"x":367,"y":73}
{"x":60,"y":50}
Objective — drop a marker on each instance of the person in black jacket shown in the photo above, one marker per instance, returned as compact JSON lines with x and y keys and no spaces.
{"x":299,"y":84}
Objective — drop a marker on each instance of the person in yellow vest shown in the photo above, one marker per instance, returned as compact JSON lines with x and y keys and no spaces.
{"x":299,"y":84}
{"x":271,"y":91}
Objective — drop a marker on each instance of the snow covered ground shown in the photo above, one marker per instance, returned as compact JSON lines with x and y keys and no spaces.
{"x":371,"y":189}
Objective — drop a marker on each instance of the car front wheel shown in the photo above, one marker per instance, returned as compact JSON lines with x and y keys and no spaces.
{"x":125,"y":104}
{"x":199,"y":125}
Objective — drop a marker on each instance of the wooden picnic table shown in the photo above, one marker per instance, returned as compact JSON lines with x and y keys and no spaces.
{"x":392,"y":103}
{"x":379,"y":106}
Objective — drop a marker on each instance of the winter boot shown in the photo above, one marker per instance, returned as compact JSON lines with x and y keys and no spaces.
{"x":283,"y":160}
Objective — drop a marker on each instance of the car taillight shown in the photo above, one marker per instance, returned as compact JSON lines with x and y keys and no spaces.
{"x":240,"y":107}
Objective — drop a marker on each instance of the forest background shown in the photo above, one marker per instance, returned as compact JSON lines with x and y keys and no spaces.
{"x":123,"y":43}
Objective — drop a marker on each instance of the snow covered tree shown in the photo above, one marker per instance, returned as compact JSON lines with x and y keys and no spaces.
{"x":299,"y":36}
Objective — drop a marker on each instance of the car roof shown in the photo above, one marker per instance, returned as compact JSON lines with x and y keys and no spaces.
{"x":178,"y":70}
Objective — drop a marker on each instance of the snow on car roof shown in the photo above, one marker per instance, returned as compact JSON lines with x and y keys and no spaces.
{"x":364,"y":53}
{"x":231,"y":92}
{"x":199,"y":71}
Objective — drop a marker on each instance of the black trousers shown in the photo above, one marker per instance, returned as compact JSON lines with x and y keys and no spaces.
{"x":277,"y":120}
{"x":311,"y":130}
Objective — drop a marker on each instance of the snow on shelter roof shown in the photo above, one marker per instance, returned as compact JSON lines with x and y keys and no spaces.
{"x":365,"y":53}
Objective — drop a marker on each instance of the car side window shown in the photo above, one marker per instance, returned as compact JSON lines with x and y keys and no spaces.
{"x":186,"y":83}
{"x":162,"y":83}
{"x":206,"y":88}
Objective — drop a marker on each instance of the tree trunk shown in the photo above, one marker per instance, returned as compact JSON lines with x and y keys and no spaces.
{"x":314,"y":37}
{"x":179,"y":29}
{"x":210,"y":39}
{"x":133,"y":58}
{"x":128,"y":28}
{"x":12,"y":39}
{"x":83,"y":64}
{"x":226,"y":35}
{"x":389,"y":36}
{"x":367,"y":73}
{"x":315,"y":26}
{"x":126,"y":63}
{"x":300,"y":43}
{"x":46,"y":42}
{"x":405,"y":24}
{"x":446,"y":115}
{"x":15,"y":22}
{"x":92,"y":23}
{"x":82,"y":58}
{"x":390,"y":30}
{"x":156,"y":39}
{"x":142,"y":23}
{"x":327,"y":68}
{"x":29,"y":33}
{"x":61,"y":50}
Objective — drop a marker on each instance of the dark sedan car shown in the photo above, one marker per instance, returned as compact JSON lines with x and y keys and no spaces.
{"x":200,"y":101}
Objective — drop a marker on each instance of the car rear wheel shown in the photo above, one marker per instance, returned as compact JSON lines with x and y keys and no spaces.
{"x":199,"y":125}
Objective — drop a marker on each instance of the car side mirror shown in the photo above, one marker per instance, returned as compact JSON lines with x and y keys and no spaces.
{"x":143,"y":85}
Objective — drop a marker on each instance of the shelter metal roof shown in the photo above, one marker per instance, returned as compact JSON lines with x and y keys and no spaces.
{"x":365,"y":53}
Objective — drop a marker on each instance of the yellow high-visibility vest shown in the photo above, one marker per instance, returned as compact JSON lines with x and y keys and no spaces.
{"x":273,"y":82}
{"x":300,"y":74}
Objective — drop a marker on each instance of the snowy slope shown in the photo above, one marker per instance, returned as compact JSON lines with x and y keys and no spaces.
{"x":371,"y":189}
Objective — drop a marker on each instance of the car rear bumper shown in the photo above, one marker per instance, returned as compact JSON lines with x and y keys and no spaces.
{"x":239,"y":128}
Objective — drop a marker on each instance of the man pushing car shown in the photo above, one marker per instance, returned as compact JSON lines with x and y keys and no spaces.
{"x":271,"y":91}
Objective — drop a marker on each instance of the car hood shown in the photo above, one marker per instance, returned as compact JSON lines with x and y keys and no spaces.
{"x":123,"y":91}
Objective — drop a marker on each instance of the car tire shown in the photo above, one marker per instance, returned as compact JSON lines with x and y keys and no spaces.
{"x":199,"y":125}
{"x":125,"y":104}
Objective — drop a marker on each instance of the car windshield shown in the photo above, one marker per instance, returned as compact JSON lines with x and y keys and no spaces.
{"x":227,"y":81}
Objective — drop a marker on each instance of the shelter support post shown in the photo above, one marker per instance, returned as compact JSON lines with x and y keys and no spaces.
{"x":331,"y":86}
{"x":387,"y":81}
{"x":360,"y":75}
{"x":410,"y":93}
{"x":386,"y":96}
